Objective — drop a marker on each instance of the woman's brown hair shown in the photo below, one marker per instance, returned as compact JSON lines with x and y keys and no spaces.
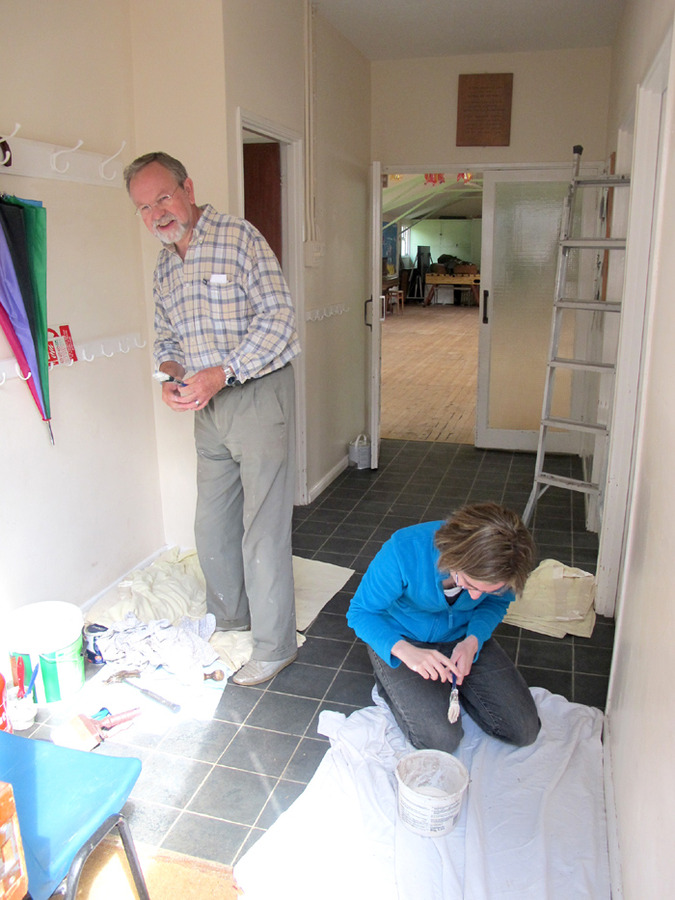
{"x":487,"y":542}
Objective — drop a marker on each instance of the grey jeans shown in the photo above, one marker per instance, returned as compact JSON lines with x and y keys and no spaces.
{"x":494,"y":694}
{"x":245,"y":488}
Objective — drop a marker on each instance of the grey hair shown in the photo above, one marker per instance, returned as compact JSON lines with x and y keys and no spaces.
{"x":175,"y":166}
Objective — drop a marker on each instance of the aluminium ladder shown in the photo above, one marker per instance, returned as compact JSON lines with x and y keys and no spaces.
{"x":562,"y":303}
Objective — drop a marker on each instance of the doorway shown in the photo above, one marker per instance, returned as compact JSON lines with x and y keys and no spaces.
{"x":262,"y":189}
{"x":253,"y":129}
{"x":429,"y":358}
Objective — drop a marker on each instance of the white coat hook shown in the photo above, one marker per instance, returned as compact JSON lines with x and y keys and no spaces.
{"x":104,"y":353}
{"x":124,"y":349}
{"x":57,"y":153}
{"x":101,"y":168}
{"x":140,"y":346}
{"x":8,"y":154}
{"x":19,"y":373}
{"x":87,"y":358}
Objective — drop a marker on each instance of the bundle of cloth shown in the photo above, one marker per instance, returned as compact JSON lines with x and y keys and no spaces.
{"x":557,"y":600}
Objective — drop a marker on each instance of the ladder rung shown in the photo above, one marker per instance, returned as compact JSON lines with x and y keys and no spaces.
{"x":593,"y":244}
{"x":566,"y":243}
{"x":581,"y":365}
{"x":603,"y":180}
{"x":572,"y":425}
{"x":589,"y":305}
{"x":571,"y":484}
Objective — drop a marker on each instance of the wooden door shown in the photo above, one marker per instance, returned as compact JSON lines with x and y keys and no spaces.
{"x":262,"y":192}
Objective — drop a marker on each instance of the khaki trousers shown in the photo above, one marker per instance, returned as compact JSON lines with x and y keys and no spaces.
{"x":245,"y":440}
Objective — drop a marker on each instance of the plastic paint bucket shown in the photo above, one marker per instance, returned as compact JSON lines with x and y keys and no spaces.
{"x":49,"y":633}
{"x":431,"y":785}
{"x":359,"y":452}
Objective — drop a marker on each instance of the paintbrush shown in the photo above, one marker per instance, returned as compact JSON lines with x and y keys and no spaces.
{"x":162,"y":376}
{"x":453,"y":709}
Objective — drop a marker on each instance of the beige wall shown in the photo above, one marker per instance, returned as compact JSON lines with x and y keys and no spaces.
{"x":76,"y":516}
{"x":337,"y":346}
{"x":559,"y":99}
{"x":641,"y":704}
{"x":185,"y":115}
{"x":120,"y":482}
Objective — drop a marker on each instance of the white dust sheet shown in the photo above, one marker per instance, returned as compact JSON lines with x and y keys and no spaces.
{"x":532,"y":825}
{"x":173,"y":587}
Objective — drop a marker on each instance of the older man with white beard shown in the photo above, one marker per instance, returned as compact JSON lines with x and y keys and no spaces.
{"x":225,"y":332}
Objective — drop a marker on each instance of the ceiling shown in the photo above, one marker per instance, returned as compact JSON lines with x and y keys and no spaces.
{"x":409,"y":29}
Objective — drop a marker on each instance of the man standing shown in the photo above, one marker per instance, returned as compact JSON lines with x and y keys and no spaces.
{"x":225,"y":332}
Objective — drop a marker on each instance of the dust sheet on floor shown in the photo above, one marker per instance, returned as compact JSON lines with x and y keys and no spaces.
{"x":532,"y":824}
{"x":172,"y":589}
{"x":557,"y":600}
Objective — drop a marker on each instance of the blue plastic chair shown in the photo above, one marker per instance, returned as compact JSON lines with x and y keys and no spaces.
{"x":67,"y":801}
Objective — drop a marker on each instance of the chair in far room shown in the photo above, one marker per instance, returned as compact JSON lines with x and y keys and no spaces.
{"x":67,"y":801}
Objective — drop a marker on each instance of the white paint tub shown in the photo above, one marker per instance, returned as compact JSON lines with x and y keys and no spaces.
{"x":49,"y":633}
{"x":431,"y":785}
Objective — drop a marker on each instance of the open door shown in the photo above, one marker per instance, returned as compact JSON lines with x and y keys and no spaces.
{"x":374,"y":310}
{"x":522,"y":212}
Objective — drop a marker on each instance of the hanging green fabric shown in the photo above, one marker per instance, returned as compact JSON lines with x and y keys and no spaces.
{"x":35,"y":226}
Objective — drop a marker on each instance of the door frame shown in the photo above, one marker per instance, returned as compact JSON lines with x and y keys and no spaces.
{"x":376,"y":303}
{"x":514,"y":441}
{"x":292,"y":211}
{"x":640,"y":146}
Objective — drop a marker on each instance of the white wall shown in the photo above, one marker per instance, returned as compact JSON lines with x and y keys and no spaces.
{"x":76,"y":516}
{"x":641,"y":705}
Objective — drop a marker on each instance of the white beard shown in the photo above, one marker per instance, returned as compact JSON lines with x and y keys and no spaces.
{"x":171,"y":235}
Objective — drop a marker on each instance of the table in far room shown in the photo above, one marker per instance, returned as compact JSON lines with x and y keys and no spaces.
{"x":434,"y":281}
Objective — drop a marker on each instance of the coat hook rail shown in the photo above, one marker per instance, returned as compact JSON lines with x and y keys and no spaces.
{"x":58,"y":153}
{"x":3,"y":141}
{"x":317,"y":315}
{"x":101,"y":168}
{"x":87,"y":352}
{"x":37,"y":159}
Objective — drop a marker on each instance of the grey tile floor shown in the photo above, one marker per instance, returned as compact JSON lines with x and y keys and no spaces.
{"x":211,"y":790}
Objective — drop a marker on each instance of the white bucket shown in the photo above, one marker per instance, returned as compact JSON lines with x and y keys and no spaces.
{"x":431,"y":785}
{"x":49,"y":633}
{"x":359,"y":452}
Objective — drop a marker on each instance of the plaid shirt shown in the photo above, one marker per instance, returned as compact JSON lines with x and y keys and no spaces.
{"x":226,"y":304}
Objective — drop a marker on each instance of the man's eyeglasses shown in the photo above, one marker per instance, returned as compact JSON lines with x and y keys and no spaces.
{"x":160,"y":203}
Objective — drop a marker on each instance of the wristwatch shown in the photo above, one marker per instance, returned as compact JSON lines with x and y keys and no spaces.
{"x":230,"y":378}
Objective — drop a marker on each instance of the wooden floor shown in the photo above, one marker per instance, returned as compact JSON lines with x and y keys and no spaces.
{"x":429,"y":372}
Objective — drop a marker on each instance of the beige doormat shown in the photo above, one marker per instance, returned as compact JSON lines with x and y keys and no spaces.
{"x":106,"y":876}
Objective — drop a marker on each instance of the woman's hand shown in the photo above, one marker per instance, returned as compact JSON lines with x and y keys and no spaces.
{"x":463,"y":656}
{"x":433,"y":664}
{"x":426,"y":662}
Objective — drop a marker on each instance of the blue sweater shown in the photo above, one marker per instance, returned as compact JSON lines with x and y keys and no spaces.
{"x":401,"y":598}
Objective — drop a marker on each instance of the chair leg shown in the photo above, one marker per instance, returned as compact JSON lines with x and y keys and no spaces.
{"x":89,"y":846}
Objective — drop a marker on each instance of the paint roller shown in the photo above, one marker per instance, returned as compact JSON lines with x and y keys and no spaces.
{"x":85,"y":733}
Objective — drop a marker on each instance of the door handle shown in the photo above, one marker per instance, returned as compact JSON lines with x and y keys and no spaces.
{"x":486,"y":294}
{"x":365,"y":312}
